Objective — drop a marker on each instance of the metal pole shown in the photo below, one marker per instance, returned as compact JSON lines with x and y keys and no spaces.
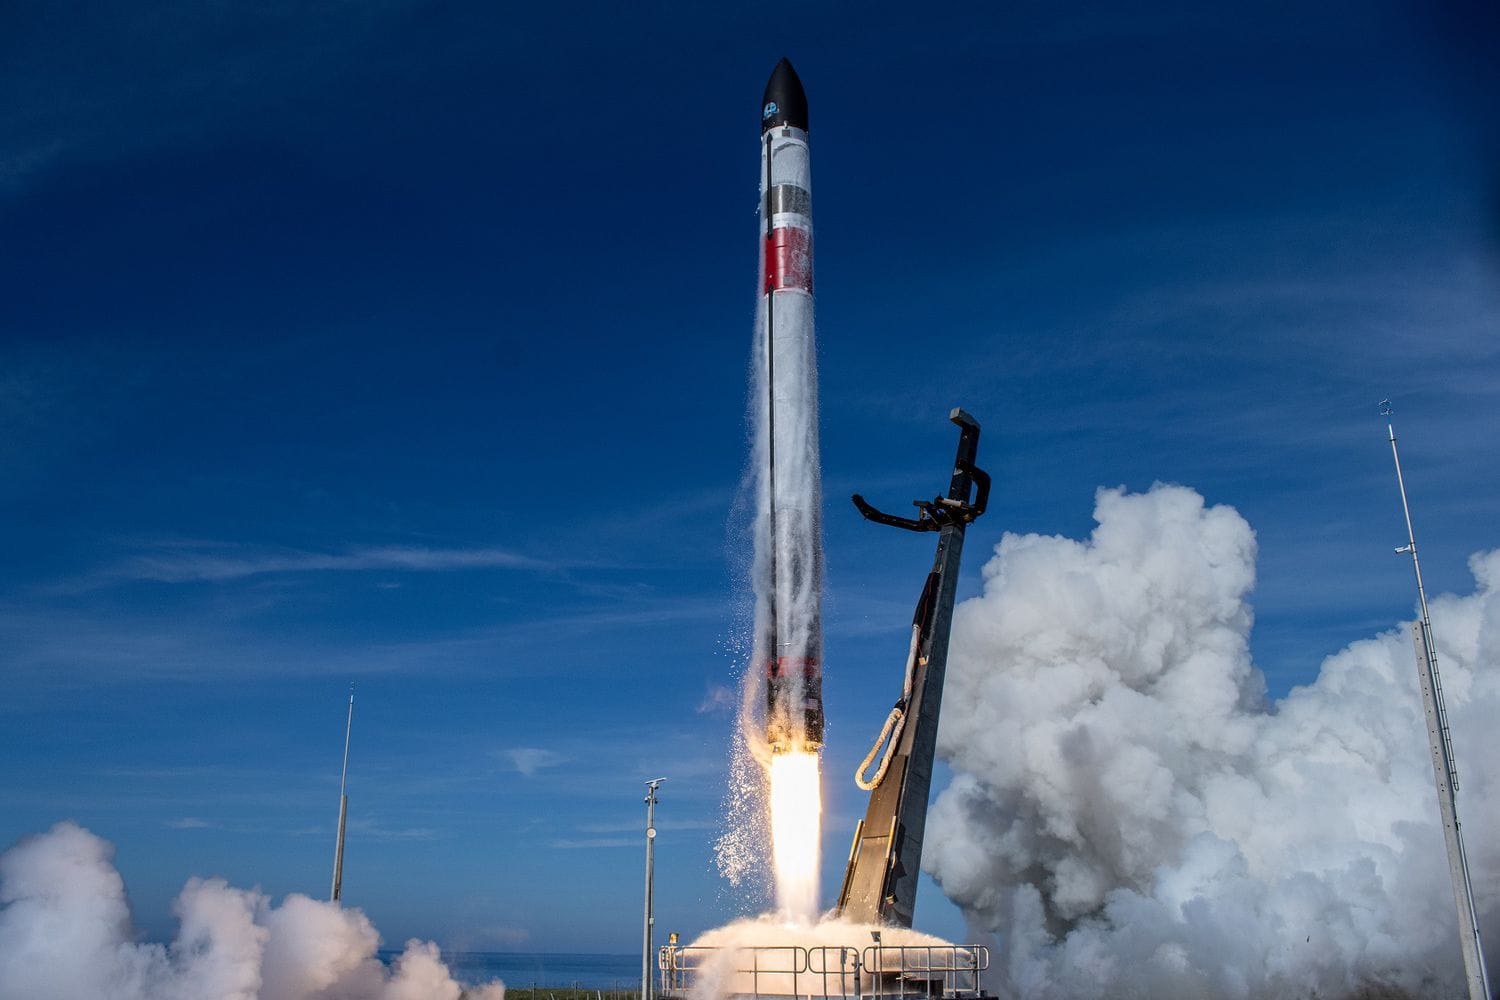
{"x":1444,"y":764}
{"x":651,"y":787}
{"x":338,"y":851}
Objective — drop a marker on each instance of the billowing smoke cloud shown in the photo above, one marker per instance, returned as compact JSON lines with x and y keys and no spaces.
{"x":65,"y":933}
{"x":1132,"y":818}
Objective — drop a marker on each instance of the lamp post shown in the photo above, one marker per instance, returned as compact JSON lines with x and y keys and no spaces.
{"x":651,"y":787}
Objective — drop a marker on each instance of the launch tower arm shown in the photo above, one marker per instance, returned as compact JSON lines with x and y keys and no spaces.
{"x":880,"y":883}
{"x":920,"y":523}
{"x":937,"y":513}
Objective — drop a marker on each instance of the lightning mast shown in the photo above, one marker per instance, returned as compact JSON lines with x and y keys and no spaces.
{"x":338,"y":851}
{"x":650,"y":920}
{"x":1444,"y":766}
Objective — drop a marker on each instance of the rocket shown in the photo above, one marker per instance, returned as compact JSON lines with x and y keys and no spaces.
{"x":788,"y":552}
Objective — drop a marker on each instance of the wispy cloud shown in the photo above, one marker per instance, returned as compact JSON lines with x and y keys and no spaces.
{"x":574,"y":844}
{"x":718,"y":699}
{"x":160,"y":773}
{"x":195,"y":562}
{"x":622,"y":834}
{"x":529,"y":760}
{"x":376,"y":830}
{"x":222,"y":638}
{"x":188,"y":823}
{"x":635,"y":825}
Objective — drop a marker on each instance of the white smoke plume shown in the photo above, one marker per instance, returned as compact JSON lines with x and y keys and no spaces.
{"x":66,"y":933}
{"x":1133,"y":819}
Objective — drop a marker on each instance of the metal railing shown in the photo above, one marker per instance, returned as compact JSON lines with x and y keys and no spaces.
{"x":830,"y":972}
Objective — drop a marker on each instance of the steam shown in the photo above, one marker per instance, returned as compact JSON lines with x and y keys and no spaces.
{"x":65,"y":933}
{"x":1133,"y":819}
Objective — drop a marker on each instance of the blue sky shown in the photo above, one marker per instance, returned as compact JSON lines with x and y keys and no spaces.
{"x":405,"y":345}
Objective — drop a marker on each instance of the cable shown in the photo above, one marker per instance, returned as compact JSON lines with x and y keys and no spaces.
{"x":895,"y":723}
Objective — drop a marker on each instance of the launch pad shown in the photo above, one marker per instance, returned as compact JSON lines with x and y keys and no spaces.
{"x":834,"y":960}
{"x":830,"y":972}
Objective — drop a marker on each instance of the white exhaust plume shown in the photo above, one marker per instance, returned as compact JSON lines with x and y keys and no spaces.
{"x":65,"y":933}
{"x":1133,"y":820}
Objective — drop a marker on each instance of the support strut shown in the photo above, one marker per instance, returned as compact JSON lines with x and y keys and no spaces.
{"x":880,"y":882}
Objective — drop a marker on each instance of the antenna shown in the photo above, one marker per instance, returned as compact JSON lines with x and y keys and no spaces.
{"x":1440,"y":741}
{"x":338,"y":851}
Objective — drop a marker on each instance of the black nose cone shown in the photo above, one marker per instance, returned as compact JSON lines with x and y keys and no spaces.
{"x":785,"y":102}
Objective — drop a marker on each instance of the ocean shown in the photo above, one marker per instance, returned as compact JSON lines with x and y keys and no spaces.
{"x":521,"y":969}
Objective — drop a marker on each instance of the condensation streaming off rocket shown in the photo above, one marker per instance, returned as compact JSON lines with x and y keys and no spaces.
{"x":788,"y":568}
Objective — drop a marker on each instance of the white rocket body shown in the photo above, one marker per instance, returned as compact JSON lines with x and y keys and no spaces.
{"x":789,"y":552}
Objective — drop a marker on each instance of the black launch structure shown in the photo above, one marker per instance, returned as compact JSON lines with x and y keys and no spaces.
{"x":880,"y":883}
